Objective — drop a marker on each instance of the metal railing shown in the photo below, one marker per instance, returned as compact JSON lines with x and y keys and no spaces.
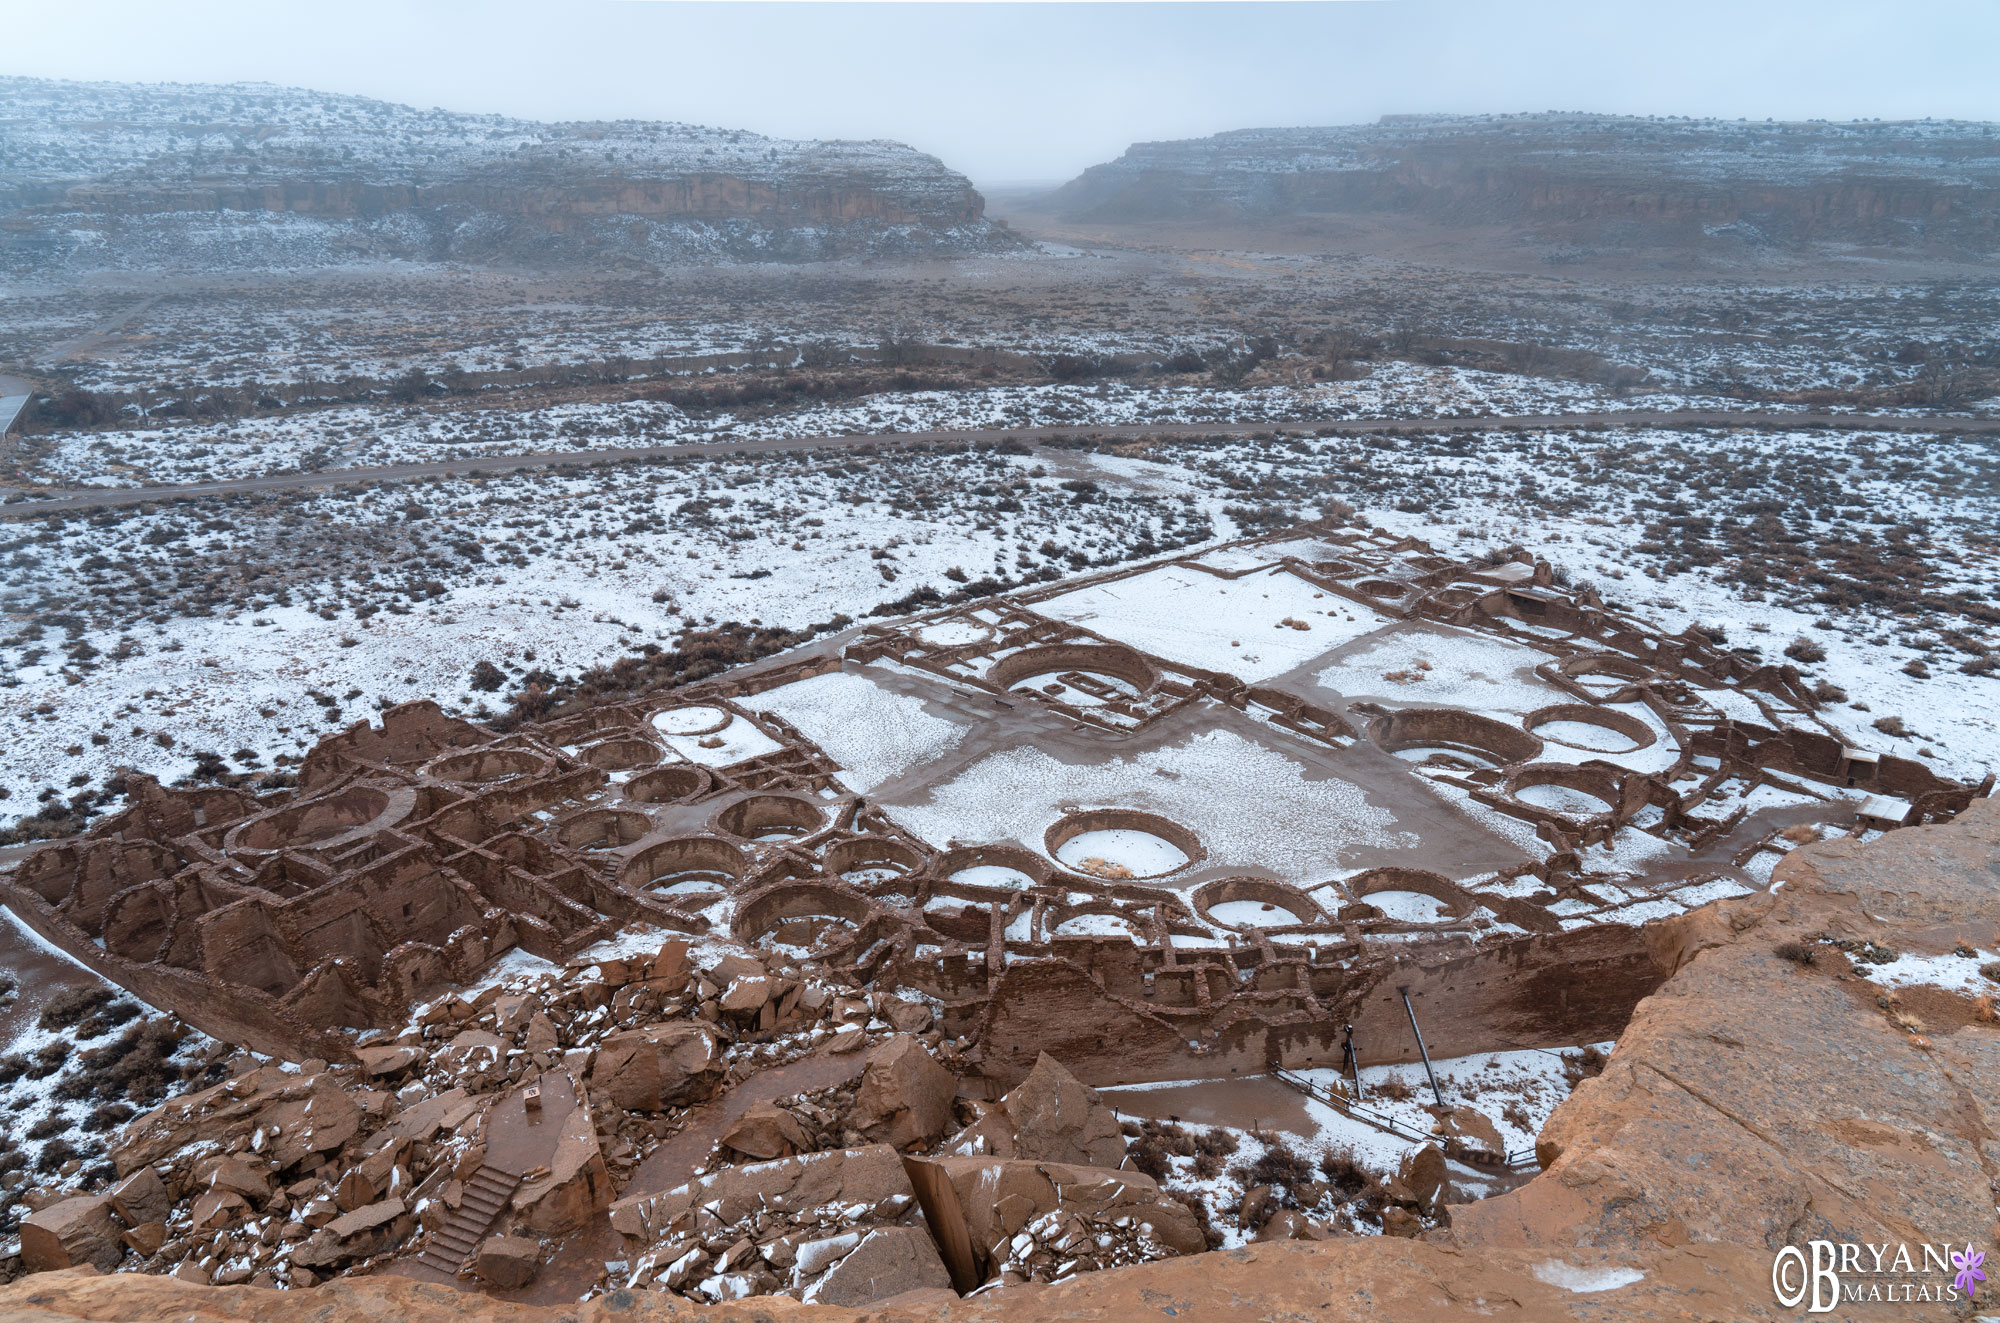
{"x":1381,"y":1120}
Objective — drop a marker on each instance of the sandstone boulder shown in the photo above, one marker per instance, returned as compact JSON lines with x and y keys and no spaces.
{"x":1057,"y":1118}
{"x":889,"y":1262}
{"x":905,"y":1095}
{"x":142,"y":1197}
{"x":237,"y":1173}
{"x":747,"y":996}
{"x":661,"y":1066}
{"x":146,"y":1238}
{"x":508,"y":1262}
{"x":767,"y":1131}
{"x":1423,"y":1173}
{"x":389,"y":1059}
{"x":70,"y":1233}
{"x":1473,"y":1135}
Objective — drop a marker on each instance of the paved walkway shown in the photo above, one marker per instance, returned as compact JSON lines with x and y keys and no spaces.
{"x":92,"y":498}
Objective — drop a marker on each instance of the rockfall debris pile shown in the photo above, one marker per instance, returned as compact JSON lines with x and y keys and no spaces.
{"x":505,"y":1117}
{"x":522,"y":1105}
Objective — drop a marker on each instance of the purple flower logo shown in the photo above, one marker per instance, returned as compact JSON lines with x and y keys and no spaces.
{"x":1968,"y":1265}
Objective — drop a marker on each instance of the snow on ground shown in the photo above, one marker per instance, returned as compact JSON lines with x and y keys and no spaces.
{"x":1438,"y":664}
{"x":1229,"y":625}
{"x":1953,"y":973}
{"x":1300,"y":833}
{"x":182,"y":451}
{"x":875,"y":735}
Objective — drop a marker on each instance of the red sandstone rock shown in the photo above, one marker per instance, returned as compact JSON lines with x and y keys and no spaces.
{"x":766,"y":1131}
{"x":1055,"y":1118}
{"x":905,"y":1095}
{"x":508,"y":1262}
{"x":69,"y":1233}
{"x":661,"y":1066}
{"x":142,"y":1197}
{"x":889,"y":1261}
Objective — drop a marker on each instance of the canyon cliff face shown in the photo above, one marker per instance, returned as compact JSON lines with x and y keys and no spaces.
{"x":97,"y":175}
{"x":1933,"y":185}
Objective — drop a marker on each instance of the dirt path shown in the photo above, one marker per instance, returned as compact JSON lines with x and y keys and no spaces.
{"x":93,"y":498}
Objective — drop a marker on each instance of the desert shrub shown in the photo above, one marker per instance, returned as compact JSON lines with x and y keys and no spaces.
{"x":48,"y":1127}
{"x":54,"y":1154}
{"x":1344,"y":1172}
{"x":1796,"y":952}
{"x":1891,"y":726}
{"x":68,"y":1008}
{"x":1585,"y":1065}
{"x":1803,"y":649}
{"x":106,"y":1115}
{"x":1394,"y":1088}
{"x":137,"y":1065}
{"x":1280,"y":1166}
{"x":47,"y":1059}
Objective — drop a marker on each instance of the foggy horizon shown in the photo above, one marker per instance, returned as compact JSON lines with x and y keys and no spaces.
{"x":1032,"y":94}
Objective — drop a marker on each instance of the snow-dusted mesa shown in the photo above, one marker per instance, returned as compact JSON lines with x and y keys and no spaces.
{"x":126,"y":176}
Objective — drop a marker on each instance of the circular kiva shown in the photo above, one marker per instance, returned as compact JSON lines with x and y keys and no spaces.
{"x":1336,"y":568}
{"x":621,"y":755}
{"x":669,"y":785}
{"x":1570,"y":791}
{"x":353,"y":812}
{"x":1245,"y":903}
{"x":1416,"y":732}
{"x":799,"y":914}
{"x":1604,"y":673}
{"x":695,"y":719}
{"x":770,"y":818}
{"x":1457,"y":596}
{"x":997,"y":867}
{"x":867,"y":860}
{"x":1597,"y":729}
{"x":1387,"y":589}
{"x":1119,"y":845}
{"x":481,"y":766}
{"x":682,"y":865}
{"x":603,"y":829}
{"x":1387,"y":888}
{"x":1120,"y":663}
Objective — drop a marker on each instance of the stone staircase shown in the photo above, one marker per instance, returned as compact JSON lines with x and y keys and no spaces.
{"x":485,"y":1195}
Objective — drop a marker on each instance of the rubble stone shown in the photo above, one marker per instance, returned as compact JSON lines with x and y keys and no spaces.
{"x":508,"y":1262}
{"x":766,"y":1131}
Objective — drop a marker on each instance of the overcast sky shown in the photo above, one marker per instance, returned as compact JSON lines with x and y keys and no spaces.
{"x":1036,"y":92}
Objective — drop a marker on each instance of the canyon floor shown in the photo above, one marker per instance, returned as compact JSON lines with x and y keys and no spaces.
{"x":1029,"y":645}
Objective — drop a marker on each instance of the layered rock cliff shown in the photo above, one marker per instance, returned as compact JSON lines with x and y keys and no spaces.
{"x":1764,"y":1098}
{"x":97,"y":174}
{"x":1928,"y":184}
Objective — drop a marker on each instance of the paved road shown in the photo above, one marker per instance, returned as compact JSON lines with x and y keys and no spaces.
{"x":93,"y":498}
